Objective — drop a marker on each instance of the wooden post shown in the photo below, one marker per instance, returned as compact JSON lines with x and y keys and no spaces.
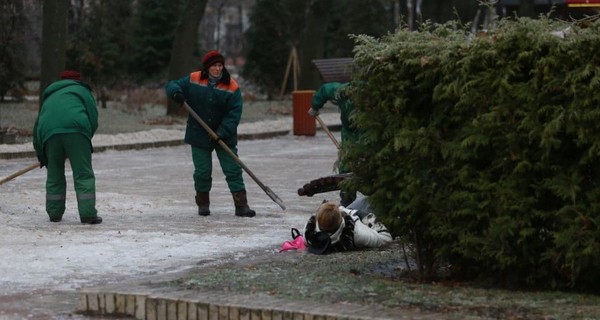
{"x":293,"y":66}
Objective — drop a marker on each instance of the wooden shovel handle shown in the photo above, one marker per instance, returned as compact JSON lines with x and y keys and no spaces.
{"x":20,"y":172}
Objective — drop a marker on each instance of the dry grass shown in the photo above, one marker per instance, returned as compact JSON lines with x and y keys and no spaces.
{"x":374,"y":278}
{"x":130,"y":111}
{"x":134,"y":100}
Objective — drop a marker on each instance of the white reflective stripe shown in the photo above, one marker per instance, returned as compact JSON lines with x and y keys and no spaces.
{"x":56,"y":197}
{"x":87,"y":196}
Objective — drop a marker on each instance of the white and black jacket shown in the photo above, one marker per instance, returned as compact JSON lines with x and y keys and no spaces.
{"x":358,"y":229}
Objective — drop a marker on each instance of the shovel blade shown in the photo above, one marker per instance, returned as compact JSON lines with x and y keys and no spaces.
{"x":274,"y":197}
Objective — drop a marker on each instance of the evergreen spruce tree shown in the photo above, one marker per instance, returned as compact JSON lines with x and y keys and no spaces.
{"x":355,"y":17}
{"x":270,"y":39}
{"x":319,"y":29}
{"x":482,"y":150}
{"x":100,"y":44}
{"x":313,"y":42}
{"x":154,"y":28}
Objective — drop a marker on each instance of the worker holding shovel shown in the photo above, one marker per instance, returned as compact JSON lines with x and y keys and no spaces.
{"x":217,"y":99}
{"x":64,"y":128}
{"x":337,"y":93}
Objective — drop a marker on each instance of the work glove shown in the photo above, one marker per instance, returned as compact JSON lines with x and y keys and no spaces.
{"x":42,"y":161}
{"x":313,"y":112}
{"x":179,"y":97}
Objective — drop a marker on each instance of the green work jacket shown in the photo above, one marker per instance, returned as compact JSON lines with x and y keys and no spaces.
{"x":219,"y":106}
{"x":68,"y":107}
{"x":334,"y":92}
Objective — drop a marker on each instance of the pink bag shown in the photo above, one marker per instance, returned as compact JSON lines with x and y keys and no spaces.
{"x":296,"y":244}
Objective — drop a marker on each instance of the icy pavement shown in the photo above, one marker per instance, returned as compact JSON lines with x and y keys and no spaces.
{"x":146,"y":198}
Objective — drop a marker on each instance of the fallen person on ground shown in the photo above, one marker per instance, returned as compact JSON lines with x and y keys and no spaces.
{"x":338,"y":94}
{"x":336,"y":228}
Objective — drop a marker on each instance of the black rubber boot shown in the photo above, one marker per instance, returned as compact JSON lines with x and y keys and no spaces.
{"x":92,"y":220}
{"x":241,"y":205}
{"x":203,"y":202}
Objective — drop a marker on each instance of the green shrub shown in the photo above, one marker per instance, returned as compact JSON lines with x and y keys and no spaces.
{"x":481,"y":151}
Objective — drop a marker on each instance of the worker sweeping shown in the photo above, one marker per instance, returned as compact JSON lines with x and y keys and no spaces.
{"x":216,"y":98}
{"x":337,"y":93}
{"x":64,"y":128}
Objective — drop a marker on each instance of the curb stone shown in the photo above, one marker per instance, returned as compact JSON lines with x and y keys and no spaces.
{"x":333,"y":124}
{"x":146,"y":145}
{"x":156,"y":304}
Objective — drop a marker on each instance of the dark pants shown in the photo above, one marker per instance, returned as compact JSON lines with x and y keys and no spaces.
{"x":76,"y":147}
{"x":346,"y":196}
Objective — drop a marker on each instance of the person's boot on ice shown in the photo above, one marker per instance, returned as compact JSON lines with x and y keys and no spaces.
{"x":241,"y":204}
{"x":203,"y":202}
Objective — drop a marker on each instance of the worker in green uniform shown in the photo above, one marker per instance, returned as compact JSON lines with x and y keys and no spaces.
{"x":337,"y":93}
{"x":216,"y":97}
{"x":64,"y":128}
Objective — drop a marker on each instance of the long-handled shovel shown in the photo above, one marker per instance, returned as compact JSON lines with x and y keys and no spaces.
{"x":213,"y":135}
{"x":20,"y":172}
{"x":337,"y":144}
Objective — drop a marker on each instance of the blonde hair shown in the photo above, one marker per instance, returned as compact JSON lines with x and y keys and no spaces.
{"x":329,"y":217}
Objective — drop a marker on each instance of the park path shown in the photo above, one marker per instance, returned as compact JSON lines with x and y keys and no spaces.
{"x":150,"y":227}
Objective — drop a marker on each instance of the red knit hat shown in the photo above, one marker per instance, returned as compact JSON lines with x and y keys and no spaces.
{"x":70,"y":74}
{"x":211,"y":58}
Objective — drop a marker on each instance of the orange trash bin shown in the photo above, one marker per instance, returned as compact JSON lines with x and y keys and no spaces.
{"x":304,"y":124}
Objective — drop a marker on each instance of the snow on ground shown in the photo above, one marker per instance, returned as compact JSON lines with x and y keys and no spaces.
{"x":146,"y":198}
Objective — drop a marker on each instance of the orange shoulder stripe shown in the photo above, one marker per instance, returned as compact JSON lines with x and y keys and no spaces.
{"x":195,"y":78}
{"x":232,"y":87}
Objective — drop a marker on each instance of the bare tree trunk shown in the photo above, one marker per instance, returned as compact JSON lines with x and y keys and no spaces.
{"x":527,"y":8}
{"x":182,"y":55}
{"x":312,"y":44}
{"x":396,"y":13}
{"x":54,"y":41}
{"x":241,"y":30}
{"x":410,"y":17}
{"x":103,"y":97}
{"x":490,"y":18}
{"x":418,"y":11}
{"x":475,"y":24}
{"x":219,"y":18}
{"x":414,"y":12}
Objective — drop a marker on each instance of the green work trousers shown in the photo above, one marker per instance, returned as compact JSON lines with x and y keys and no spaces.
{"x":76,"y":147}
{"x":202,"y":158}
